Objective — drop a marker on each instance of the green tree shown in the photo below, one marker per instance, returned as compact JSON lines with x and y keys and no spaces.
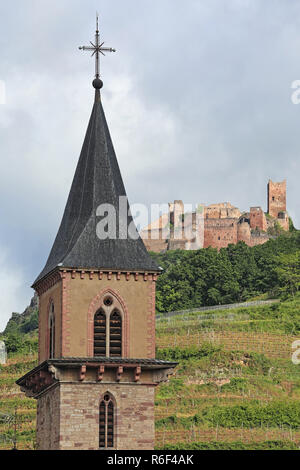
{"x":288,"y":271}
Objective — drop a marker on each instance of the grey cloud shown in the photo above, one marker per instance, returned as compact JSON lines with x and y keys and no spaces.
{"x":218,"y":72}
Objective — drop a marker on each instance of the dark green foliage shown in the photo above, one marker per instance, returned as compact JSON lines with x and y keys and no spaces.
{"x":248,"y":415}
{"x":19,"y":367}
{"x":174,"y":387}
{"x":234,"y":274}
{"x":24,"y":322}
{"x":253,"y":415}
{"x":237,"y":384}
{"x":236,"y":445}
{"x":276,"y":229}
{"x":177,"y":354}
{"x":31,"y":324}
{"x":16,"y":343}
{"x":259,"y":362}
{"x":19,"y":324}
{"x":291,"y":225}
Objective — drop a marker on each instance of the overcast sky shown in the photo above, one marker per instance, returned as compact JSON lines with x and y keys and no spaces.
{"x":197,"y":97}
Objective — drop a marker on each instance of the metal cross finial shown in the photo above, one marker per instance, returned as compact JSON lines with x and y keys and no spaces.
{"x":97,"y":48}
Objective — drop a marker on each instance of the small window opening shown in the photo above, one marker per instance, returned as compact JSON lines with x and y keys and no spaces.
{"x":106,"y":423}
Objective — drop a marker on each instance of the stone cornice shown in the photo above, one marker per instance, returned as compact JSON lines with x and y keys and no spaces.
{"x":94,"y":370}
{"x":59,"y":273}
{"x":47,"y":282}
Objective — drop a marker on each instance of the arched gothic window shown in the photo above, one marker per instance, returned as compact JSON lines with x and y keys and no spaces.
{"x":106,"y":422}
{"x":51,"y":332}
{"x":108,"y":334}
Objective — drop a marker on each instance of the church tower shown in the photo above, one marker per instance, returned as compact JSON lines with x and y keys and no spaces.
{"x":97,"y":370}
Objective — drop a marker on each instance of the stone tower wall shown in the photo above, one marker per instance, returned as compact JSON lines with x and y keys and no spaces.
{"x":258,"y":218}
{"x":53,"y":294}
{"x":276,"y":198}
{"x":71,"y":422}
{"x":48,"y":420}
{"x":77,"y":297}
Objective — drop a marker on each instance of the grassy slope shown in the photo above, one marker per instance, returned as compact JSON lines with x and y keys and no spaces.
{"x":235,"y":386}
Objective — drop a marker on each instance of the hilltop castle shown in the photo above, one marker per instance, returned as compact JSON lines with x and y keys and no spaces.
{"x":222,"y":224}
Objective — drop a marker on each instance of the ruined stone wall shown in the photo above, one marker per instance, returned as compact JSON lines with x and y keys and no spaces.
{"x":258,"y":219}
{"x":258,"y":239}
{"x":178,"y":212}
{"x":156,"y":245}
{"x":224,"y":223}
{"x":243,"y":232}
{"x":276,"y":198}
{"x":219,"y":233}
{"x":283,"y":220}
{"x":222,"y":210}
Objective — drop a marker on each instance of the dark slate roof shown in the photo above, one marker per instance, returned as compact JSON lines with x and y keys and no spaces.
{"x":97,"y":180}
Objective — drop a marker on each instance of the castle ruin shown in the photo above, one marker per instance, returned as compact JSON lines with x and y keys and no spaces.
{"x":222,"y":224}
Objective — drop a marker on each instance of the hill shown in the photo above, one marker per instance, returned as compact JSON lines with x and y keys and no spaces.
{"x":235,"y":387}
{"x":233,"y":274}
{"x":208,"y":277}
{"x":26,"y":321}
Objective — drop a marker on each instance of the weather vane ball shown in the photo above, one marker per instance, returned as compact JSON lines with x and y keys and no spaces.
{"x":97,"y":49}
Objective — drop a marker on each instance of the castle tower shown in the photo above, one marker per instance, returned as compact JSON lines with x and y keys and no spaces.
{"x":258,"y":219}
{"x":276,"y":198}
{"x":97,"y":370}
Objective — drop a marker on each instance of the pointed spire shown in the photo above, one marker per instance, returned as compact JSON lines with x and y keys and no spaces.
{"x":97,"y":181}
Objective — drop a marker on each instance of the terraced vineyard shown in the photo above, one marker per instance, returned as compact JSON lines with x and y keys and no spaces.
{"x":235,"y":387}
{"x":14,"y":403}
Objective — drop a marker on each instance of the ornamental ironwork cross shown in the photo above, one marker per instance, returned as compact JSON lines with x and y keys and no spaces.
{"x":97,"y":48}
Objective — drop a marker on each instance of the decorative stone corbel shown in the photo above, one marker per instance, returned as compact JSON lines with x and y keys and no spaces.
{"x":137,"y":373}
{"x":119,"y":373}
{"x":82,"y":373}
{"x":101,"y":370}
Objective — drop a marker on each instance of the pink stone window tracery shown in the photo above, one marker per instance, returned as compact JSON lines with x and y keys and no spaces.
{"x":108,"y":326}
{"x":106,"y":422}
